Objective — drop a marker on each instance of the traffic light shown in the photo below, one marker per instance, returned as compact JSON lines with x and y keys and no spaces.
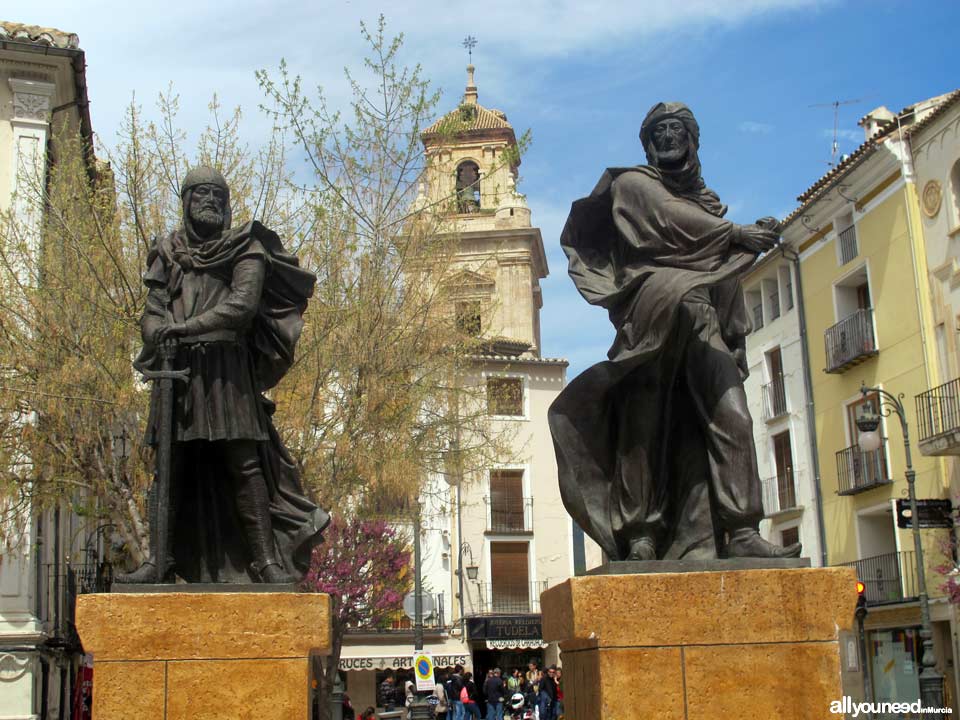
{"x":861,"y":612}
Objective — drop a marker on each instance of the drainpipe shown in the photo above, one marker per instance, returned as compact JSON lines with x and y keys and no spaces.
{"x":794,"y":259}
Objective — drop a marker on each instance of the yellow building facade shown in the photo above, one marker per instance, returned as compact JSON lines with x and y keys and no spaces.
{"x":869,"y":323}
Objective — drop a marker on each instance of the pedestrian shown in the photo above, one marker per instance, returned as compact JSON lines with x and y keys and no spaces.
{"x":453,"y":686}
{"x":514,"y":682}
{"x":348,"y":711}
{"x":386,"y":694}
{"x":557,"y":678}
{"x":440,"y":692}
{"x":548,"y":694}
{"x":468,"y":696}
{"x":533,"y":675}
{"x":368,"y":714}
{"x":493,"y":692}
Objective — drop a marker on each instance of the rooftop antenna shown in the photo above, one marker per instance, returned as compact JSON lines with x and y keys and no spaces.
{"x":470,"y":42}
{"x":836,"y":123}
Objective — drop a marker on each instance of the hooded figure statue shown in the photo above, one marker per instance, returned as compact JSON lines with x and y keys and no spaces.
{"x":232,"y":299}
{"x":654,"y":446}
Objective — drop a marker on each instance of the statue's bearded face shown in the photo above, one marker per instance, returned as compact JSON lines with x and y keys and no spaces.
{"x":208,"y":205}
{"x":671,"y":141}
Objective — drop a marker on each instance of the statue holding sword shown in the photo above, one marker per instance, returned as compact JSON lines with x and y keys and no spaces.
{"x":223,"y":316}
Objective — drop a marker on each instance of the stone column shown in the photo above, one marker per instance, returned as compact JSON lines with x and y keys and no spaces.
{"x":760,"y":644}
{"x":203,"y":656}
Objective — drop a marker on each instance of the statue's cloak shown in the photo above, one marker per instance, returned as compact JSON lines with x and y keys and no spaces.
{"x":208,"y":539}
{"x":638,"y":249}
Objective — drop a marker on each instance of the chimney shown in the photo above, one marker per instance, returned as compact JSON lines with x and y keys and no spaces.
{"x":874,"y":120}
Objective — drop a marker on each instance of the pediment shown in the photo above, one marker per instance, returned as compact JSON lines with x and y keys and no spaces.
{"x":469,"y":280}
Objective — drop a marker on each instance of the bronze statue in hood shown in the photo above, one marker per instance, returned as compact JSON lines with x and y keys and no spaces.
{"x":655,"y":446}
{"x":232,"y":300}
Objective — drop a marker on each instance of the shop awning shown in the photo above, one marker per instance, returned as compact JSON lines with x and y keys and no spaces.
{"x":536,"y":644}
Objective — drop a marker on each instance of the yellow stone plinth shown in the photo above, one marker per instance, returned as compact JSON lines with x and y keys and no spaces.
{"x":701,"y":645}
{"x":200,"y":656}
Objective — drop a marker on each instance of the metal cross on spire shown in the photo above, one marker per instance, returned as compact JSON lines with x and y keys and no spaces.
{"x":470,"y":42}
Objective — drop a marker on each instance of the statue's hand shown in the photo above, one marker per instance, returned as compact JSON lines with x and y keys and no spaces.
{"x":757,"y":238}
{"x":169,"y":332}
{"x":769,"y":223}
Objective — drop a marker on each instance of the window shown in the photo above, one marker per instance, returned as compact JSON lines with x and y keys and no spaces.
{"x":789,"y":536}
{"x":505,"y":396}
{"x":783,"y":457}
{"x":468,"y":187}
{"x":774,"y":392}
{"x":510,"y":577}
{"x":753,"y":299}
{"x":468,"y":317}
{"x":506,"y":501}
{"x":786,"y":282}
{"x":846,"y":238}
{"x":775,"y":303}
{"x":955,"y":192}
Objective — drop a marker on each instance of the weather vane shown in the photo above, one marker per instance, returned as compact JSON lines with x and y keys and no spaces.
{"x":470,"y":42}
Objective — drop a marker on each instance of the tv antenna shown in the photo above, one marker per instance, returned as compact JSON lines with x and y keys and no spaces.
{"x":834,"y":148}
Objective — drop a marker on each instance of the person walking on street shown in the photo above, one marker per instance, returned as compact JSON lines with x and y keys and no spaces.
{"x":468,"y":696}
{"x":454,"y":685}
{"x":548,"y":694}
{"x":493,"y":691}
{"x":440,"y":692}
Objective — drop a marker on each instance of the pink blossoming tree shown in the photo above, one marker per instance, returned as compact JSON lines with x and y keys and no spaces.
{"x":365,"y":567}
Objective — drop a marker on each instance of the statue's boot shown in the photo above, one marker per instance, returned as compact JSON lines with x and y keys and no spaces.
{"x":642,"y":549}
{"x":748,"y":543}
{"x":148,"y":573}
{"x":253,"y":507}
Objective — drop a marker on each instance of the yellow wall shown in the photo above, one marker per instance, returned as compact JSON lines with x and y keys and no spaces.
{"x":900,"y":367}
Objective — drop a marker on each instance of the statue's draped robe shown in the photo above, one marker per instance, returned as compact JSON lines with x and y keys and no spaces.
{"x":640,"y":251}
{"x":242,"y":298}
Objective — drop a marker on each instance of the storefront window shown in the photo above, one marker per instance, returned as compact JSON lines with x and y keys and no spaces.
{"x":895,"y":662}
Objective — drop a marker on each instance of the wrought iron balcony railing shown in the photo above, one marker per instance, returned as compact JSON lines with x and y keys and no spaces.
{"x":501,"y":598}
{"x":399,"y":623}
{"x":850,"y":341}
{"x":858,"y":471}
{"x":509,"y":516}
{"x":889,"y":578}
{"x":774,"y":398}
{"x":60,"y":584}
{"x":779,"y":493}
{"x":938,"y":414}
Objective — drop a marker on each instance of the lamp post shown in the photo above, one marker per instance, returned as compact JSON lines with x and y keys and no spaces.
{"x":868,"y":423}
{"x":419,"y":708}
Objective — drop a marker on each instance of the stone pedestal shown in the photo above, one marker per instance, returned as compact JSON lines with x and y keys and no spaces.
{"x":701,"y":645}
{"x":199,"y":656}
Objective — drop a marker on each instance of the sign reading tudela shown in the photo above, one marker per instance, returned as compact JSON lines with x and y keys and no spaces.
{"x":520,"y":627}
{"x":382,"y":662}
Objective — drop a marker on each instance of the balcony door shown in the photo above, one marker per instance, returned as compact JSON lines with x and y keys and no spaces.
{"x":506,"y":501}
{"x":510,"y":577}
{"x":783,"y":456}
{"x":868,"y":468}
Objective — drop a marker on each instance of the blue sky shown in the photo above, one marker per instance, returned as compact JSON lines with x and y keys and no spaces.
{"x":580,"y":75}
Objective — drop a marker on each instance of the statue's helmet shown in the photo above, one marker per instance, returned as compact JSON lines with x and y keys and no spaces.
{"x":203,"y":175}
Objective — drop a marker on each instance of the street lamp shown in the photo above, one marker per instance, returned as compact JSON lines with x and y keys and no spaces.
{"x":868,"y":423}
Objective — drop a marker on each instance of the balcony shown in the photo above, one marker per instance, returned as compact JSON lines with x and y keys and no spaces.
{"x":858,"y":471}
{"x":889,"y":578}
{"x":774,"y":399}
{"x":510,"y":599}
{"x":850,"y":342}
{"x":57,"y":601}
{"x":938,"y":418}
{"x":400,"y":623}
{"x":779,"y":494}
{"x":513,"y":516}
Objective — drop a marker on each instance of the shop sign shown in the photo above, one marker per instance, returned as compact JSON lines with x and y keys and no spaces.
{"x":521,"y":627}
{"x":383,"y":662}
{"x":932,"y":514}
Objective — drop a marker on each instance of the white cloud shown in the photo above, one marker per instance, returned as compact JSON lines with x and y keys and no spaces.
{"x":853,"y":136}
{"x":755,"y":128}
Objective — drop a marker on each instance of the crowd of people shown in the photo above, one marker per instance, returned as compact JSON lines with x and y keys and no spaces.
{"x":461,"y":696}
